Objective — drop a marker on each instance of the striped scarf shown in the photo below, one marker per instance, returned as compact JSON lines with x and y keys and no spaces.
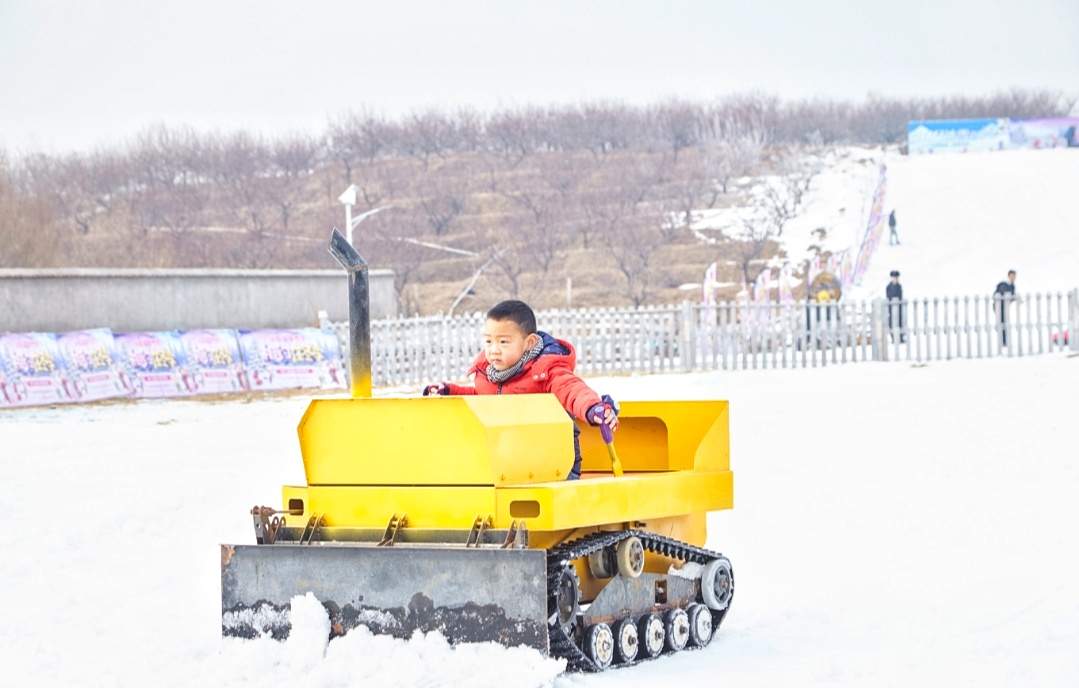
{"x":500,"y":376}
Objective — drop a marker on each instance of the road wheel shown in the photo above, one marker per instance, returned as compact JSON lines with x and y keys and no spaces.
{"x":599,"y":645}
{"x":700,"y":625}
{"x":651,"y":633}
{"x":676,"y":626}
{"x":626,"y":641}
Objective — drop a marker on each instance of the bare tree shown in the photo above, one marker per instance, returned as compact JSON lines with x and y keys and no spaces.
{"x":385,"y":241}
{"x":626,"y":184}
{"x":512,"y":262}
{"x":355,"y":139}
{"x":57,"y":181}
{"x":541,"y":230}
{"x":242,"y":165}
{"x":783,"y":195}
{"x":513,"y":134}
{"x":678,"y":125}
{"x":754,"y":235}
{"x":171,"y":174}
{"x":724,"y":160}
{"x":427,"y":134}
{"x":292,"y":162}
{"x":635,"y":247}
{"x":27,"y":221}
{"x":442,"y":198}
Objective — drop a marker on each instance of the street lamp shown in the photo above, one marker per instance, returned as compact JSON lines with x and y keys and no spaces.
{"x":348,"y":199}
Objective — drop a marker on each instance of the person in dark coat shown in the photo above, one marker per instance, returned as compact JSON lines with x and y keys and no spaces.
{"x":894,"y":293}
{"x":1003,"y":295}
{"x":893,"y":236}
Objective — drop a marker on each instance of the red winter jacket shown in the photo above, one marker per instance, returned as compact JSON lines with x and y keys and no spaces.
{"x":551,"y":371}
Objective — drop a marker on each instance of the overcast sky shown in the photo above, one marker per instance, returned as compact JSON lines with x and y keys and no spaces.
{"x":78,"y":74}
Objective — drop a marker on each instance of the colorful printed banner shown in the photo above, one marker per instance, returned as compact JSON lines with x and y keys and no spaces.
{"x":45,"y":368}
{"x":213,"y":361}
{"x":786,"y":283}
{"x":31,"y":371}
{"x":1055,"y":132}
{"x":957,"y":135}
{"x":874,"y":230}
{"x":90,"y":365}
{"x":990,"y":134}
{"x":154,"y":363}
{"x":288,"y":359}
{"x":708,"y":288}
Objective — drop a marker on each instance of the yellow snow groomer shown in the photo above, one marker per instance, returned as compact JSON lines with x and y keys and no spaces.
{"x":453,"y":514}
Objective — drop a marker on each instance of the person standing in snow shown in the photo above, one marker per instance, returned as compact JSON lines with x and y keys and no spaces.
{"x":1003,"y":295}
{"x":893,"y":236}
{"x":894,"y":294}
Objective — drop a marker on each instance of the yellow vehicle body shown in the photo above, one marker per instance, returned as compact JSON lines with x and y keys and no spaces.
{"x":444,"y":461}
{"x":453,"y":514}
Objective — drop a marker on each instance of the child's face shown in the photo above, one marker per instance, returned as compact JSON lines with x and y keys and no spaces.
{"x":504,"y":343}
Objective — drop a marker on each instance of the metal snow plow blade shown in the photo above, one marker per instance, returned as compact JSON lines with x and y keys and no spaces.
{"x":467,"y":594}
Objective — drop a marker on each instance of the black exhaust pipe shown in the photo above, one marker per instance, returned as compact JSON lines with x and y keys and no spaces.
{"x":359,"y":313}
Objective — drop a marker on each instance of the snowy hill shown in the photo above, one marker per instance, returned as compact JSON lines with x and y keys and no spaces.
{"x":964,"y":220}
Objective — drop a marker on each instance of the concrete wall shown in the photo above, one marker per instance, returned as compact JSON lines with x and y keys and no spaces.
{"x":127,"y":300}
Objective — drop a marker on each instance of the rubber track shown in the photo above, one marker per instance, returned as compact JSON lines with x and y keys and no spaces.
{"x":563,"y":556}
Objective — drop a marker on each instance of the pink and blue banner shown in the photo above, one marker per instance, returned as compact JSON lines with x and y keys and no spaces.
{"x":39,"y":368}
{"x":31,"y":370}
{"x":1053,"y":132}
{"x":153,"y":363}
{"x":957,"y":135}
{"x":873,"y":232}
{"x":90,"y":362}
{"x":990,"y":134}
{"x":214,"y":364}
{"x":290,"y":359}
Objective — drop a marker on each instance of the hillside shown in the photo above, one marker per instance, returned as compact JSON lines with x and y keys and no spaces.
{"x":607,"y":195}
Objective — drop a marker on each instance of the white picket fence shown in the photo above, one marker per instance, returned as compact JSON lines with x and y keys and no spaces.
{"x":736,"y":336}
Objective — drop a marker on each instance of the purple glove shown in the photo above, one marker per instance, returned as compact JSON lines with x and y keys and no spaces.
{"x":441,"y":389}
{"x":605,"y":415}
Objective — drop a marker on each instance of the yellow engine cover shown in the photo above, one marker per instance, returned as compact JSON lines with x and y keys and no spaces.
{"x":466,"y":440}
{"x":446,"y":461}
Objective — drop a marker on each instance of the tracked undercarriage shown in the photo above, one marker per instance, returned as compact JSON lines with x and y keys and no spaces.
{"x":637,"y":615}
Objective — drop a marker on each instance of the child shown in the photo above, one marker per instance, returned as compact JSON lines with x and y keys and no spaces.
{"x":517,"y":359}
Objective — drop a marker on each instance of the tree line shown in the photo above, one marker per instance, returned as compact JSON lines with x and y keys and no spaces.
{"x":533,"y":181}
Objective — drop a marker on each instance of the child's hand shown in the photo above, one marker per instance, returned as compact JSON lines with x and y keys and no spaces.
{"x":439,"y":389}
{"x":603,"y":414}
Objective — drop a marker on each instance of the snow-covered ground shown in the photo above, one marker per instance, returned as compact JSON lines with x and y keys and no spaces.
{"x":893,"y":526}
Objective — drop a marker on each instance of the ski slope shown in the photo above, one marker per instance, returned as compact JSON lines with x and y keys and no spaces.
{"x":925,"y":539}
{"x":965,"y":219}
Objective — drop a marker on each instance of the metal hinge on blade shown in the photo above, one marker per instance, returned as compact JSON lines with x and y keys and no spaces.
{"x":479,"y":527}
{"x":516,"y":536}
{"x":392,"y":529}
{"x":311,"y":529}
{"x":266,"y":524}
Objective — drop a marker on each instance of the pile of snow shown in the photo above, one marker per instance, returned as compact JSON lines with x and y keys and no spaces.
{"x":925,"y":538}
{"x":363,"y":659}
